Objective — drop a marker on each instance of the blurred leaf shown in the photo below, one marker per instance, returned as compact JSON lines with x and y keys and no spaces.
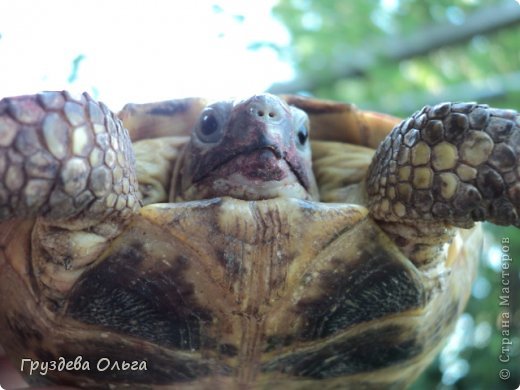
{"x":75,"y":67}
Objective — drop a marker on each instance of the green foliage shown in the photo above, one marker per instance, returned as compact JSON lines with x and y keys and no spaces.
{"x":329,"y":35}
{"x":326,"y":34}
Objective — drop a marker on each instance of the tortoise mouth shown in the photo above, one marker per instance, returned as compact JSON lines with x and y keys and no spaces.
{"x":257,"y":164}
{"x":255,"y":173}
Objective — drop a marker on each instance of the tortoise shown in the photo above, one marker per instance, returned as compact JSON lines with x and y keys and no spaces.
{"x":190,"y":244}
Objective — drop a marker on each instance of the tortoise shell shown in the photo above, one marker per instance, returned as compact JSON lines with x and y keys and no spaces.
{"x":140,"y":285}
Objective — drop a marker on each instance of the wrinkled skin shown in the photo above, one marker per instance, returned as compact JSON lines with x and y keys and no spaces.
{"x":212,"y":259}
{"x":253,"y":149}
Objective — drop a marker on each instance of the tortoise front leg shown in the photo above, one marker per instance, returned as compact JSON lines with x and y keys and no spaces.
{"x":454,"y":163}
{"x":68,"y":160}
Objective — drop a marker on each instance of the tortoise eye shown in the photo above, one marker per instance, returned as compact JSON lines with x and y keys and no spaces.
{"x":303,"y":134}
{"x":209,"y":127}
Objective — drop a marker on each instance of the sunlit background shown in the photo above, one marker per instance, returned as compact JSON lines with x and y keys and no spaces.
{"x":121,"y":51}
{"x":389,"y":55}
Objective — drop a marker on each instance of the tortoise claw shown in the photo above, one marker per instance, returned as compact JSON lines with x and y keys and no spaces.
{"x":455,"y":162}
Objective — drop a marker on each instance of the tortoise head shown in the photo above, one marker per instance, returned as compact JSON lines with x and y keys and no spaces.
{"x":251,"y":149}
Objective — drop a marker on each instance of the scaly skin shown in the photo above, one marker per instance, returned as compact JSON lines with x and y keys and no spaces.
{"x":68,"y":160}
{"x":453,"y":164}
{"x":67,"y":172}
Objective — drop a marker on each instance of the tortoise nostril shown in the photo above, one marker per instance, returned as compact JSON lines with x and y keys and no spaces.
{"x":270,"y":114}
{"x":265,"y":108}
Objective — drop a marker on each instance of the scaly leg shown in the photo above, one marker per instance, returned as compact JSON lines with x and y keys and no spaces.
{"x":68,"y":160}
{"x":66,"y":168}
{"x":452,"y":163}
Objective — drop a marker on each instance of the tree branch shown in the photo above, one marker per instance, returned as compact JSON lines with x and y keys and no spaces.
{"x":483,"y":21}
